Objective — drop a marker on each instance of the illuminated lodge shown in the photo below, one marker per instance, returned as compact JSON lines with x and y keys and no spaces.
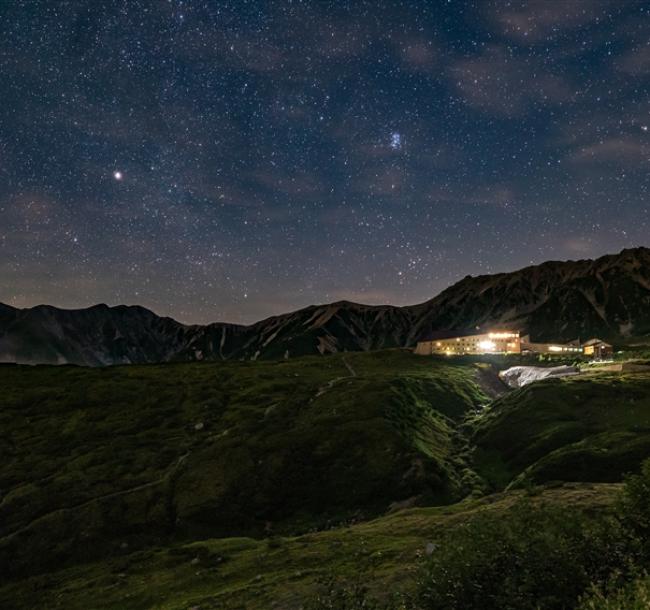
{"x":485,"y":343}
{"x":505,"y":342}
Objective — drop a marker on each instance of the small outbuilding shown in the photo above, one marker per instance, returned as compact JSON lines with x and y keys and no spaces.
{"x":598,"y":349}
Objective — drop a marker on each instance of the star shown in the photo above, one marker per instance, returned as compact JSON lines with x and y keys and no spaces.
{"x":288,"y":141}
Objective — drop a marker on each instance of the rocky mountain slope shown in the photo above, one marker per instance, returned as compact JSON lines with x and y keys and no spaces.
{"x":608,"y":297}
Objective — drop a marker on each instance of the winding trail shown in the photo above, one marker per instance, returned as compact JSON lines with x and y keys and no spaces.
{"x":332,"y":382}
{"x":171,"y":470}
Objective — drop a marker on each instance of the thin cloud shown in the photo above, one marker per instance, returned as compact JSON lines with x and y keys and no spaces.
{"x":636,"y":62}
{"x":627,"y":152}
{"x":538,"y":20}
{"x":418,"y":54}
{"x":499,"y":82}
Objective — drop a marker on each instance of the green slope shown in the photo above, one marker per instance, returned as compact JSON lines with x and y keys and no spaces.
{"x":242,"y":484}
{"x":96,"y":460}
{"x":588,"y":428}
{"x":282,"y":572}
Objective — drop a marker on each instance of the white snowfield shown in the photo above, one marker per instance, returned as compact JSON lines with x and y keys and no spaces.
{"x":519,"y":376}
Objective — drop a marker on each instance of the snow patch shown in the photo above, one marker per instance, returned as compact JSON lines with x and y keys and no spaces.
{"x":270,"y":338}
{"x":321,"y":317}
{"x":326,"y":344}
{"x":520,"y":376}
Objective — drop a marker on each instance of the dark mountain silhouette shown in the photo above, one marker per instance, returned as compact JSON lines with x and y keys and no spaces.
{"x":608,"y":297}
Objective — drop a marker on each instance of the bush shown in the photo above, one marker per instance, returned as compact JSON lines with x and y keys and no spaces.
{"x":634,"y":507}
{"x":633,"y":596}
{"x":338,"y":594}
{"x":541,"y":559}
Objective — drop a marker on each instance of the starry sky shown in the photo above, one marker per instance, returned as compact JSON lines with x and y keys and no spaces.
{"x":231,"y":160}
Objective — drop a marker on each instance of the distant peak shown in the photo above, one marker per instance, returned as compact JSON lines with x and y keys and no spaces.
{"x":636,"y":250}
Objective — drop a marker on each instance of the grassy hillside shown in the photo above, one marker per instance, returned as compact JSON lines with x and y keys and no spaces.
{"x":245,"y":484}
{"x":280,"y":572}
{"x":98,"y":460}
{"x":588,"y":428}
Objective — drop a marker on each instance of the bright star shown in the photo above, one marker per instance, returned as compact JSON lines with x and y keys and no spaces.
{"x":118,"y":175}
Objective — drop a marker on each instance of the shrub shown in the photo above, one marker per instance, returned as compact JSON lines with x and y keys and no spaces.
{"x":634,"y":595}
{"x":338,"y":594}
{"x":634,"y":506}
{"x":536,"y":558}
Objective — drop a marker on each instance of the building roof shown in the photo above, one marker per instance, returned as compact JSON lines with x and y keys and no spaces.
{"x":596,"y":341}
{"x":440,"y":335}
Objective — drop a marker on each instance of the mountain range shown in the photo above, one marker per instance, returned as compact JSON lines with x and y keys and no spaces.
{"x":608,"y":297}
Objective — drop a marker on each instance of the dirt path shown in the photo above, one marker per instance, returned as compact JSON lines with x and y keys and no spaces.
{"x":332,"y":382}
{"x":164,"y":478}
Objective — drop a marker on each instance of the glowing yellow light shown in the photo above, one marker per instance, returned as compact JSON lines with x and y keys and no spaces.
{"x":502,"y":335}
{"x":488,"y":346}
{"x":554,"y":348}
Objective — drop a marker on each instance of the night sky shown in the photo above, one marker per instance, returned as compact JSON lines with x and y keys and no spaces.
{"x":226,"y":161}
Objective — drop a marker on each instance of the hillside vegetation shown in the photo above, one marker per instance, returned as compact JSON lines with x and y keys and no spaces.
{"x":588,"y":428}
{"x":385,"y":555}
{"x":317,"y":483}
{"x":95,"y":459}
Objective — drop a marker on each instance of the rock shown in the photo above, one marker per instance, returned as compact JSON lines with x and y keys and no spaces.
{"x":430,"y":548}
{"x":402,"y":504}
{"x":199,"y":426}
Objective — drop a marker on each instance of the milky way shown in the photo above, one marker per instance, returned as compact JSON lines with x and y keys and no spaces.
{"x":233,"y":160}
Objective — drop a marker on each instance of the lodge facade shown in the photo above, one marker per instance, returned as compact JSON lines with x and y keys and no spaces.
{"x":466,"y":343}
{"x":506,"y":342}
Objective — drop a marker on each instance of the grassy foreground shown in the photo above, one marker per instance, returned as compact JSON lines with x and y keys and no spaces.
{"x":280,"y":572}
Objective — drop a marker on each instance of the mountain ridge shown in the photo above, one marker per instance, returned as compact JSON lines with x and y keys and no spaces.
{"x":556,"y":300}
